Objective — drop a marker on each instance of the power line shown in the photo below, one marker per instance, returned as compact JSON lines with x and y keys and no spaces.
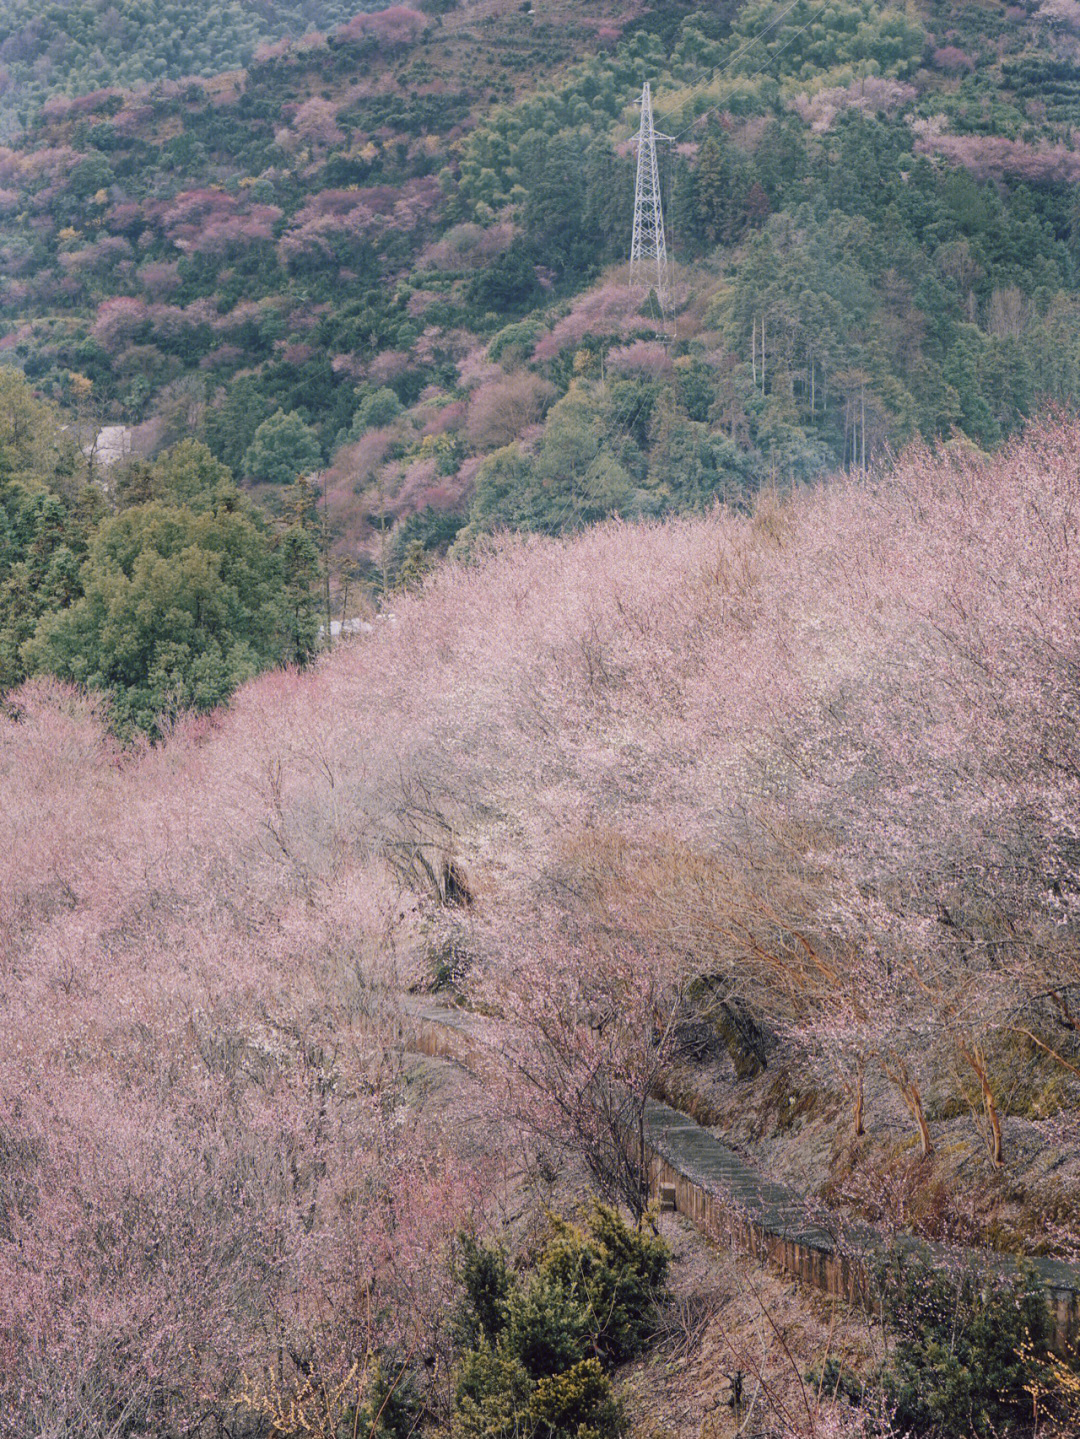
{"x":815,"y":12}
{"x":727,"y":64}
{"x":630,"y":416}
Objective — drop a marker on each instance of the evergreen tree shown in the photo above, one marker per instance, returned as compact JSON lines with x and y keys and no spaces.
{"x":718,"y":190}
{"x":176,"y":608}
{"x":298,"y":559}
{"x":230,"y":427}
{"x":282,"y":450}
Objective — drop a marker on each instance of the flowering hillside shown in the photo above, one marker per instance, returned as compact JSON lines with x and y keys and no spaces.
{"x":825,"y":755}
{"x":871,"y":208}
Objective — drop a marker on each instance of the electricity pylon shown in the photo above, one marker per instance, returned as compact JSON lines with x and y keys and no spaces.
{"x":648,"y":248}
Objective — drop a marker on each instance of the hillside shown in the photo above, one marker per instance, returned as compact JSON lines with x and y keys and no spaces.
{"x":480,"y":739}
{"x":815,"y":768}
{"x":77,"y":48}
{"x":405,"y":233}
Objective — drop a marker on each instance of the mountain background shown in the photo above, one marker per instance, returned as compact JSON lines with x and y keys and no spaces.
{"x":383,"y":252}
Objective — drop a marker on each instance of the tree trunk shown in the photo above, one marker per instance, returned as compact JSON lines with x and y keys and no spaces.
{"x":974,"y":1056}
{"x":897,"y":1071}
{"x":914,"y":1100}
{"x":763,"y":354}
{"x":642,"y":1178}
{"x":859,"y":1102}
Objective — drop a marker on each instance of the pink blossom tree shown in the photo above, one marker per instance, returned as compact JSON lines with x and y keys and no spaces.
{"x":824,"y":754}
{"x":588,"y":1030}
{"x":391,"y":29}
{"x":500,"y":409}
{"x":315,"y":123}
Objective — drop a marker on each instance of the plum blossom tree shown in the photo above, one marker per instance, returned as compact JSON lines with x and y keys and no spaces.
{"x":337,"y":224}
{"x":824,"y":754}
{"x":315,"y":123}
{"x":207,"y":220}
{"x":590,"y":1029}
{"x":609,"y":310}
{"x":996,"y":155}
{"x":641,"y":357}
{"x":183,"y":1213}
{"x":118,"y":320}
{"x":392,"y":28}
{"x":500,"y":410}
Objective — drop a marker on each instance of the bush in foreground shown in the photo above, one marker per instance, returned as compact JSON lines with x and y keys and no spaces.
{"x":969,"y":1347}
{"x":544,"y":1345}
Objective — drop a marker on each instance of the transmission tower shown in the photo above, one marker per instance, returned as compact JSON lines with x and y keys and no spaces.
{"x":648,"y":249}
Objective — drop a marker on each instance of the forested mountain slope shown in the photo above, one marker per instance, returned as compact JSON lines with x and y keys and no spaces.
{"x":711,"y":731}
{"x":79,"y":46}
{"x":388,"y":255}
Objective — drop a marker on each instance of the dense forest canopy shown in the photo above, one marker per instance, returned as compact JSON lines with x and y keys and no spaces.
{"x":167,"y":593}
{"x":77,"y":46}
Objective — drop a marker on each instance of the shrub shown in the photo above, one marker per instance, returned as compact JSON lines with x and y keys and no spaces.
{"x":380,"y":408}
{"x":496,"y":1399}
{"x":515,"y":342}
{"x":619,"y":1269}
{"x":483,"y":1274}
{"x":372,"y":1399}
{"x":540,"y":1347}
{"x":491,"y":1395}
{"x":548,"y":1325}
{"x":283,"y":449}
{"x":507,"y":285}
{"x":577,"y":1402}
{"x":968,"y":1348}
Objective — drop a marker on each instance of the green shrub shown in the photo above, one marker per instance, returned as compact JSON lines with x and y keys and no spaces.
{"x":282,"y":450}
{"x":495,"y":1398}
{"x":548,"y":1325}
{"x":515,"y":342}
{"x":541,"y":1345}
{"x":578,"y":1402}
{"x":618,"y":1269}
{"x":507,"y":285}
{"x":483,"y":1274}
{"x":390,"y":1409}
{"x":966,"y":1345}
{"x":380,"y":408}
{"x":491,"y":1396}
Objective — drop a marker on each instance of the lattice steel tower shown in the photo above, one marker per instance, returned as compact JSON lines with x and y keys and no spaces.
{"x":648,"y":249}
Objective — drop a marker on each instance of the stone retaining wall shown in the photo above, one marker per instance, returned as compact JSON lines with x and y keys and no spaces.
{"x":731,"y":1202}
{"x":728,"y":1200}
{"x":812,"y":1262}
